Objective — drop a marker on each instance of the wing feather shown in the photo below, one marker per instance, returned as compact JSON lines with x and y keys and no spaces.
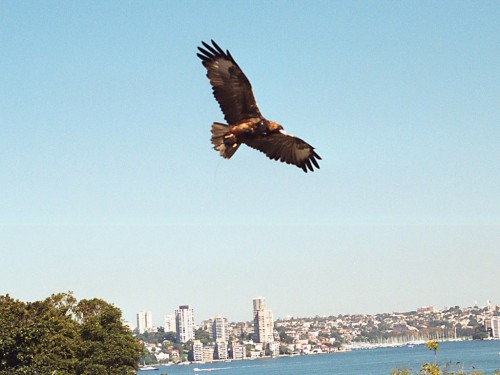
{"x":287,"y":149}
{"x":231,"y":88}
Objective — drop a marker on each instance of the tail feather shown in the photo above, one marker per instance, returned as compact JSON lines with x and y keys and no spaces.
{"x":219,"y":131}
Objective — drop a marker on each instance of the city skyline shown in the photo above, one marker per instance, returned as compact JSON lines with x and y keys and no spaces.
{"x":110,"y":187}
{"x":327,"y":334}
{"x":420,"y":309}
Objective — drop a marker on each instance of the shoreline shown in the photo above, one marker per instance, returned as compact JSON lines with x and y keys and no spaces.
{"x":349,"y":348}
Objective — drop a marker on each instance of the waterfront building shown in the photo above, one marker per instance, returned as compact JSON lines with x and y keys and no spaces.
{"x":262,"y":321}
{"x":495,"y":327}
{"x":274,"y":348}
{"x":144,"y":321}
{"x":197,"y":351}
{"x":238,"y":351}
{"x":220,"y":351}
{"x":208,"y":353}
{"x":255,"y":354}
{"x":162,"y":357}
{"x":218,"y":329}
{"x":184,"y":324}
{"x":169,"y":323}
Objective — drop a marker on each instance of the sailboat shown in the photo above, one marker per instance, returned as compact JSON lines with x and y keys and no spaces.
{"x":145,"y":367}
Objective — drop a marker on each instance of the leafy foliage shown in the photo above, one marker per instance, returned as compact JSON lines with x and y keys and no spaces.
{"x":59,"y":335}
{"x":428,"y":369}
{"x":402,"y":371}
{"x":203,"y":336}
{"x":433,"y":345}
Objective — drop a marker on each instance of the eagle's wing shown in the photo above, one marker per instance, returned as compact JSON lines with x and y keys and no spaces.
{"x":286,"y":148}
{"x":230,"y":86}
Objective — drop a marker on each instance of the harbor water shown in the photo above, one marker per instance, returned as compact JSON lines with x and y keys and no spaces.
{"x":460,"y":355}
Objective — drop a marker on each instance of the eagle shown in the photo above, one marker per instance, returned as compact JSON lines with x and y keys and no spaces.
{"x":245,"y":124}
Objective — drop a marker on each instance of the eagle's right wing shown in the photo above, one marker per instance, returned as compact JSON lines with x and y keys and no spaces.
{"x":231,"y":87}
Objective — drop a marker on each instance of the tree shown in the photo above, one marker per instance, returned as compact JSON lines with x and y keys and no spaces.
{"x":105,"y":346}
{"x":285,"y":349}
{"x":480,"y":333}
{"x":284,"y":337}
{"x":170,"y":336}
{"x":202,"y":335}
{"x":57,"y":335}
{"x":38,"y":336}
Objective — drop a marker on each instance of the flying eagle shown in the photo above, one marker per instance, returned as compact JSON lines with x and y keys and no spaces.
{"x":245,"y":123}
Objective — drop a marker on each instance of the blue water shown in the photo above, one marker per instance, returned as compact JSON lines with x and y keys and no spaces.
{"x":464,"y":355}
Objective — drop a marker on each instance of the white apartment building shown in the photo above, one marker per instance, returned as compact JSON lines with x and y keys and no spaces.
{"x":262,"y":321}
{"x":220,"y":351}
{"x":218,"y":331}
{"x":144,"y":321}
{"x":169,"y":323}
{"x":184,"y":323}
{"x":197,"y":351}
{"x":208,"y":353}
{"x":495,"y":327}
{"x":238,"y":351}
{"x":274,"y":348}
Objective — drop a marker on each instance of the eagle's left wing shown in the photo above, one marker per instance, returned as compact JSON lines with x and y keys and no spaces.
{"x":286,"y":148}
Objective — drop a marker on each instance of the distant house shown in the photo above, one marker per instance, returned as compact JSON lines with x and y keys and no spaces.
{"x":426,"y":310}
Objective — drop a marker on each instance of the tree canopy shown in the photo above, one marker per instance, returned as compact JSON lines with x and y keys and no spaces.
{"x":64,"y":336}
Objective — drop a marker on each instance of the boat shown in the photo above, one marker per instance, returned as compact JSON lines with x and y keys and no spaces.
{"x":146,"y":368}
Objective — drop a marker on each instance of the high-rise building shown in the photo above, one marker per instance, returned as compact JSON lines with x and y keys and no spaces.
{"x":259,"y":303}
{"x":144,"y":321}
{"x":262,"y":321}
{"x":184,"y":323}
{"x":169,"y":323}
{"x":218,"y":331}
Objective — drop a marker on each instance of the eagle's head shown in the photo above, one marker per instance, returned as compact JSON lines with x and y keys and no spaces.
{"x":274,"y":126}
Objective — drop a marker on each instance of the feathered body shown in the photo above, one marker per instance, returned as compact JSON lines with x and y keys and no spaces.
{"x":245,"y":123}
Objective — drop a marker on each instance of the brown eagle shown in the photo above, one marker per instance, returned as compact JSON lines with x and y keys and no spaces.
{"x":245,"y":123}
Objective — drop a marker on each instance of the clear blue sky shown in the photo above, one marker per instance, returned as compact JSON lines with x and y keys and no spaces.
{"x":109,"y":186}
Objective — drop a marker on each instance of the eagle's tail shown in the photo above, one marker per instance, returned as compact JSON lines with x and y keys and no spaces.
{"x":225,"y":145}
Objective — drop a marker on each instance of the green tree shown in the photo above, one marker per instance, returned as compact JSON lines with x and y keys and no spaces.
{"x":37,"y":337}
{"x":105,"y":346}
{"x":202,"y":335}
{"x":283,"y":336}
{"x":479,"y":333}
{"x":57,"y":335}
